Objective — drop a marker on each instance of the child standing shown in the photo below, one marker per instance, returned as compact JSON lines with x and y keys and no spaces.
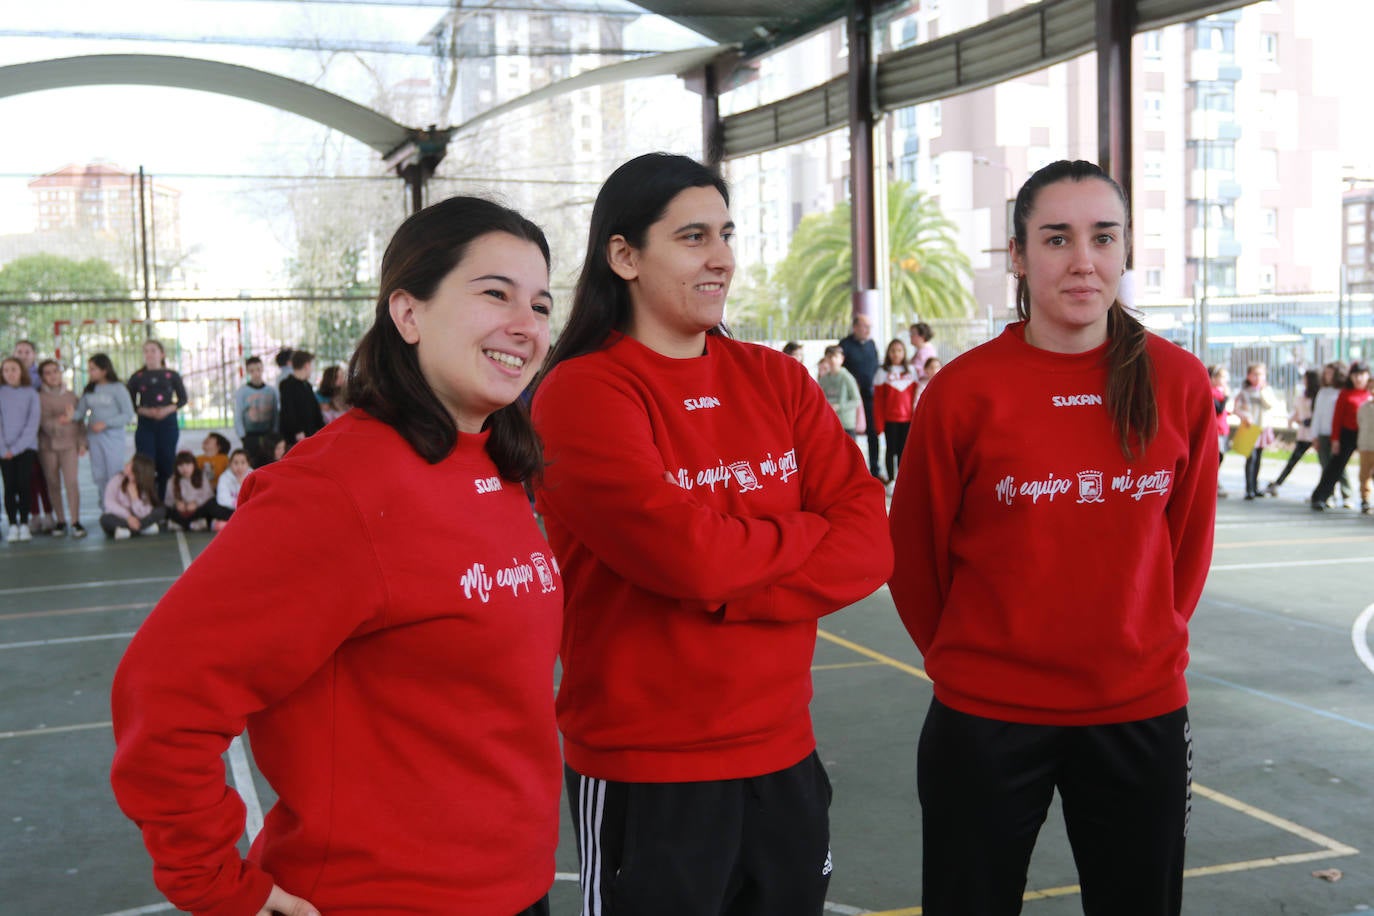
{"x":214,"y":456}
{"x":1364,"y":442}
{"x":190,"y":496}
{"x":61,"y":441}
{"x":841,"y":391}
{"x":256,"y":406}
{"x":19,"y":414}
{"x":106,"y":410}
{"x":227,"y":492}
{"x":894,"y":400}
{"x":40,"y":505}
{"x":131,"y":503}
{"x":1255,"y":404}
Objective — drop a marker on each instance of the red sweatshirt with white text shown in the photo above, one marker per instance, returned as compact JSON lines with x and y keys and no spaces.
{"x":387,"y":630}
{"x":1044,"y":578}
{"x":692,"y":605}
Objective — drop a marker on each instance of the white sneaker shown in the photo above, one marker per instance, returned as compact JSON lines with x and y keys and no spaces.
{"x":200,"y":525}
{"x":25,"y":534}
{"x":122,"y":534}
{"x":149,"y":529}
{"x":13,"y":534}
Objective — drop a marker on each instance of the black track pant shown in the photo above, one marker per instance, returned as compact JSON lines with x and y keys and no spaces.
{"x":986,"y":786}
{"x":733,"y":847}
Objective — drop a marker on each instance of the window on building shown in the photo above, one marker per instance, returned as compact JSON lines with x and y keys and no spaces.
{"x":1151,"y":46}
{"x":935,"y":115}
{"x":1267,"y":277}
{"x":1153,"y":103}
{"x":1154,"y":279}
{"x":1269,"y":219}
{"x":1354,"y":234}
{"x":1221,"y":278}
{"x":906,"y":117}
{"x":1215,"y":96}
{"x":1215,"y":35}
{"x":908,"y":168}
{"x":1269,"y":47}
{"x":1217,"y":155}
{"x":935,"y":172}
{"x":1154,"y":165}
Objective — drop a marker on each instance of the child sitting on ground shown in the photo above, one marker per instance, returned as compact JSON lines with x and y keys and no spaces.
{"x":227,"y":492}
{"x":131,"y":503}
{"x":190,"y":495}
{"x":214,"y":456}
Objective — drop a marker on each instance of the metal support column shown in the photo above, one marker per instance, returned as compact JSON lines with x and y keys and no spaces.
{"x":712,"y":132}
{"x":1116,"y":22}
{"x":861,"y":122}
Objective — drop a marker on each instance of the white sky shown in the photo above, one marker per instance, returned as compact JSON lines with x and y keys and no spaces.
{"x":171,"y":132}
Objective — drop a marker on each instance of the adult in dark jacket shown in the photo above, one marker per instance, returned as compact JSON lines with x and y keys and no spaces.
{"x":300,"y":411}
{"x":861,"y":361}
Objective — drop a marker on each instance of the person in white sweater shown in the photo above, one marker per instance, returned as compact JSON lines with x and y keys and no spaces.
{"x":227,"y":490}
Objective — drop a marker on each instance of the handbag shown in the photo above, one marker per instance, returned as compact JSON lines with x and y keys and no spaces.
{"x":1245,"y":438}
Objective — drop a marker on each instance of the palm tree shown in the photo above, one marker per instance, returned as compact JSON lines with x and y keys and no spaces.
{"x":930,"y":276}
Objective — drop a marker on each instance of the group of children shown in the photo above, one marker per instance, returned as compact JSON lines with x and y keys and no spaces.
{"x":271,"y":419}
{"x":45,"y":428}
{"x":1333,"y":414}
{"x":896,"y":387}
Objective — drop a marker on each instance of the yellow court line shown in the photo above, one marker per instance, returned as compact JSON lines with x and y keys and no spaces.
{"x":1330,"y":848}
{"x":873,"y":654}
{"x":845,"y":665}
{"x":1293,"y":542}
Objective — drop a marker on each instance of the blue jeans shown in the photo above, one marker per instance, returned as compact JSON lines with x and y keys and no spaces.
{"x":158,"y":440}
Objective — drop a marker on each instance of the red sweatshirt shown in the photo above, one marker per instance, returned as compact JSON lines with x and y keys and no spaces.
{"x":692,"y":606}
{"x":387,"y":630}
{"x":1347,"y":405}
{"x":894,"y":396}
{"x":1044,"y":578}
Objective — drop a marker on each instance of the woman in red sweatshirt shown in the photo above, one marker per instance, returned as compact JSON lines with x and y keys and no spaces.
{"x":398,"y":687}
{"x":1052,"y":548}
{"x":1345,"y":432}
{"x":706,"y":508}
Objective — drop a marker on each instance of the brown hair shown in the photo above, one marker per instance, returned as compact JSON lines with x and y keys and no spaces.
{"x":384,"y":376}
{"x":145,"y":478}
{"x":1130,"y":371}
{"x":197,"y":476}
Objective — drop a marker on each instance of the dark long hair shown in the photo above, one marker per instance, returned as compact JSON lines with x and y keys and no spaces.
{"x":102,"y":362}
{"x":1130,"y":371}
{"x":197,"y":476}
{"x":145,"y":478}
{"x":1312,"y":383}
{"x":384,"y":375}
{"x":633,"y":198}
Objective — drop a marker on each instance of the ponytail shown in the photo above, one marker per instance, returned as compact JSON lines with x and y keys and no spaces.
{"x":1130,"y":382}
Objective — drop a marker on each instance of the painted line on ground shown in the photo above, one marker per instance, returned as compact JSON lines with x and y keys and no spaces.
{"x":1291,"y":564}
{"x":1330,"y":848}
{"x":55,"y":730}
{"x":1292,"y":542}
{"x":1253,"y":691}
{"x":1359,"y":635}
{"x":33,"y":643}
{"x":106,"y":583}
{"x":66,"y":611}
{"x":873,"y":654}
{"x":846,"y":665}
{"x":183,"y":550}
{"x":1272,"y":615}
{"x":141,"y":910}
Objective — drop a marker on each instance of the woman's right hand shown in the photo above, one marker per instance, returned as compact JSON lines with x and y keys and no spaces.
{"x":280,"y":903}
{"x":96,"y":426}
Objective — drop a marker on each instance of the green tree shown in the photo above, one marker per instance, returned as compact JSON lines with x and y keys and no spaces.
{"x":44,"y":277}
{"x":37,"y":291}
{"x":930,"y":276}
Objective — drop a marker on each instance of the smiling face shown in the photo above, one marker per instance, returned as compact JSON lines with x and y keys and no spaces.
{"x":1074,"y":255}
{"x":678,"y":279}
{"x":484,"y":332}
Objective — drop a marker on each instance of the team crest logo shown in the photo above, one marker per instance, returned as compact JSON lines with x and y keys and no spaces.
{"x":1090,"y":487}
{"x":745,"y":477}
{"x":541,"y":567}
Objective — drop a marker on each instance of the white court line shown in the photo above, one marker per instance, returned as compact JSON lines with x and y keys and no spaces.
{"x":56,"y":729}
{"x":140,"y":910}
{"x":1237,"y":566}
{"x":183,"y":550}
{"x":1359,"y":635}
{"x":103,"y":584}
{"x":66,"y":639}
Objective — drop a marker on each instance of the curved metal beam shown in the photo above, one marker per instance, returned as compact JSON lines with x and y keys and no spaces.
{"x":363,"y":124}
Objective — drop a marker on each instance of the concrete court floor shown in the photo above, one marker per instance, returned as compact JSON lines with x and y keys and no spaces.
{"x":1282,"y":708}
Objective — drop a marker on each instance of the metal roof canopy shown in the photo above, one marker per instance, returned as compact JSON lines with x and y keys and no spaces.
{"x":1011,"y":45}
{"x":754,"y":26}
